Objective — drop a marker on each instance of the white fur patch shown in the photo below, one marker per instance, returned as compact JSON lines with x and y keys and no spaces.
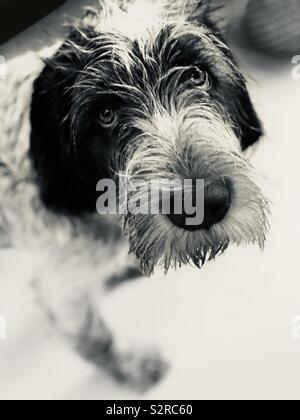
{"x":141,"y":19}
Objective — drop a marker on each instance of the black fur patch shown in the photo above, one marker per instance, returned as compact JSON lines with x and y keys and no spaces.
{"x":67,"y":177}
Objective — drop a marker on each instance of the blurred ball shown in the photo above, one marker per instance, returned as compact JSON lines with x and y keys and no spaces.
{"x":274,"y":26}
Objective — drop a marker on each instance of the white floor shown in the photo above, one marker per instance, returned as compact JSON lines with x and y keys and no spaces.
{"x":227,"y":330}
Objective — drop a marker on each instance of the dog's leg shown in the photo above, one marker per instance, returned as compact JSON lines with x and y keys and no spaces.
{"x":97,"y":344}
{"x":71,"y":297}
{"x":130,"y":273}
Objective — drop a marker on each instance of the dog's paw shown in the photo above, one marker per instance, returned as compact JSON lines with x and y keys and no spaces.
{"x":140,"y":371}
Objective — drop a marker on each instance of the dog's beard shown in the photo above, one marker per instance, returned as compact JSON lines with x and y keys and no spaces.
{"x":193,"y":148}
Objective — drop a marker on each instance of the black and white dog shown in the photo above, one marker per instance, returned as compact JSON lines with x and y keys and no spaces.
{"x":148,"y":89}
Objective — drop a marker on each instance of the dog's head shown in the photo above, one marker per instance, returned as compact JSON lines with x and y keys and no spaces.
{"x":151,"y":92}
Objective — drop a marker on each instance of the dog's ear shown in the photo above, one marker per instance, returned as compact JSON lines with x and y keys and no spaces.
{"x":221,"y":14}
{"x":216,"y":13}
{"x":62,"y":186}
{"x":249,"y":126}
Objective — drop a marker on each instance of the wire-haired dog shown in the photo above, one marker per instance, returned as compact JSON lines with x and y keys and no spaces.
{"x":146,"y":89}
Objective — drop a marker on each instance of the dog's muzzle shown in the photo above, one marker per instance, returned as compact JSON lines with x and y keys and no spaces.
{"x":217,"y":202}
{"x":233,"y":208}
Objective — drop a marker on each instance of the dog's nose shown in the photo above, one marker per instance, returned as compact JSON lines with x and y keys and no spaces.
{"x":217,"y":202}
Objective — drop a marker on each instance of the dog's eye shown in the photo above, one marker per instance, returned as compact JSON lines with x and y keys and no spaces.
{"x":107,"y":117}
{"x":198,"y":77}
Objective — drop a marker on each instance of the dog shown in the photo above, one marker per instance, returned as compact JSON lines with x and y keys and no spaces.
{"x":141,"y":90}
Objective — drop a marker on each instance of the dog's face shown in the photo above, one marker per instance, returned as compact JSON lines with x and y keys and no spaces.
{"x":160,"y":98}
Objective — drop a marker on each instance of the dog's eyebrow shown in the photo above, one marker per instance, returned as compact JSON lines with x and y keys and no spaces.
{"x":187,"y":45}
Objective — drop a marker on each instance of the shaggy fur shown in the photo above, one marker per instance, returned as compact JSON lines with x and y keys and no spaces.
{"x":140,"y":61}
